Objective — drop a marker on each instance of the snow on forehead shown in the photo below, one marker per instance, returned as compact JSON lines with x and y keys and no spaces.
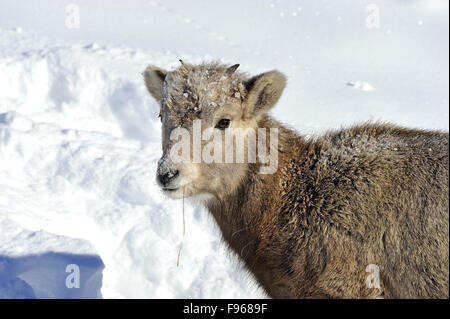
{"x":203,"y":85}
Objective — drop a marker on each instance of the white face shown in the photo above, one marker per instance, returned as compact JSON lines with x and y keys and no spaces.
{"x":199,"y":177}
{"x":199,"y":106}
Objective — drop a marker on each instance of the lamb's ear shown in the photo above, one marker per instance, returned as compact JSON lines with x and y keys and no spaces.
{"x":263,"y":91}
{"x":154,"y":79}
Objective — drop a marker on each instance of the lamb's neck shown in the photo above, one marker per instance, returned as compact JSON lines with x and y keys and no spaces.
{"x":239,"y":215}
{"x":246,"y":215}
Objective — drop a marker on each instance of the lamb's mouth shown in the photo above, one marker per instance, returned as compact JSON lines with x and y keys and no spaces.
{"x":175,"y":192}
{"x":167,"y":189}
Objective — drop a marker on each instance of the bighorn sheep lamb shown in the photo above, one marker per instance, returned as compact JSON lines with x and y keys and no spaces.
{"x":361,"y":212}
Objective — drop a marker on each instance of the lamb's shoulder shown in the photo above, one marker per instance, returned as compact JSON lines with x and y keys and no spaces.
{"x":387,"y":140}
{"x":378,"y":152}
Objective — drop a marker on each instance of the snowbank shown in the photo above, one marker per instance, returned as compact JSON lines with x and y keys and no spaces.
{"x":42,"y":265}
{"x":79,"y":142}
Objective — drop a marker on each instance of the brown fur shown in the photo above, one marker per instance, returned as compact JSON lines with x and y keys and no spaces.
{"x":370,"y":194}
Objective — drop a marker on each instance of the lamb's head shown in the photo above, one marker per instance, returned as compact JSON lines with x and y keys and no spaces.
{"x":199,"y":105}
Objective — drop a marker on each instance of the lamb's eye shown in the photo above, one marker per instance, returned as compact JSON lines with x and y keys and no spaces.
{"x":223,"y":124}
{"x":159,"y":115}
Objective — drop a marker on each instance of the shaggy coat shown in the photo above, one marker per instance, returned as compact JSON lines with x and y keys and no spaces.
{"x":372,"y":194}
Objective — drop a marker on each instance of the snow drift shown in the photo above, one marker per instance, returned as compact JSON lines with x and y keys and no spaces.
{"x":79,"y":142}
{"x":41,"y":265}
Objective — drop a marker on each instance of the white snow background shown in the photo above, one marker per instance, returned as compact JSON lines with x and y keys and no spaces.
{"x":80,"y":137}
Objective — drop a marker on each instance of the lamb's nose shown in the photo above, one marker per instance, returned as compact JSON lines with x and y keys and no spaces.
{"x":166,"y":177}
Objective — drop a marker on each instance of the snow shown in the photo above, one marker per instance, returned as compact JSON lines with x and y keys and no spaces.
{"x":37,"y":264}
{"x":80,"y":136}
{"x":361,"y":85}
